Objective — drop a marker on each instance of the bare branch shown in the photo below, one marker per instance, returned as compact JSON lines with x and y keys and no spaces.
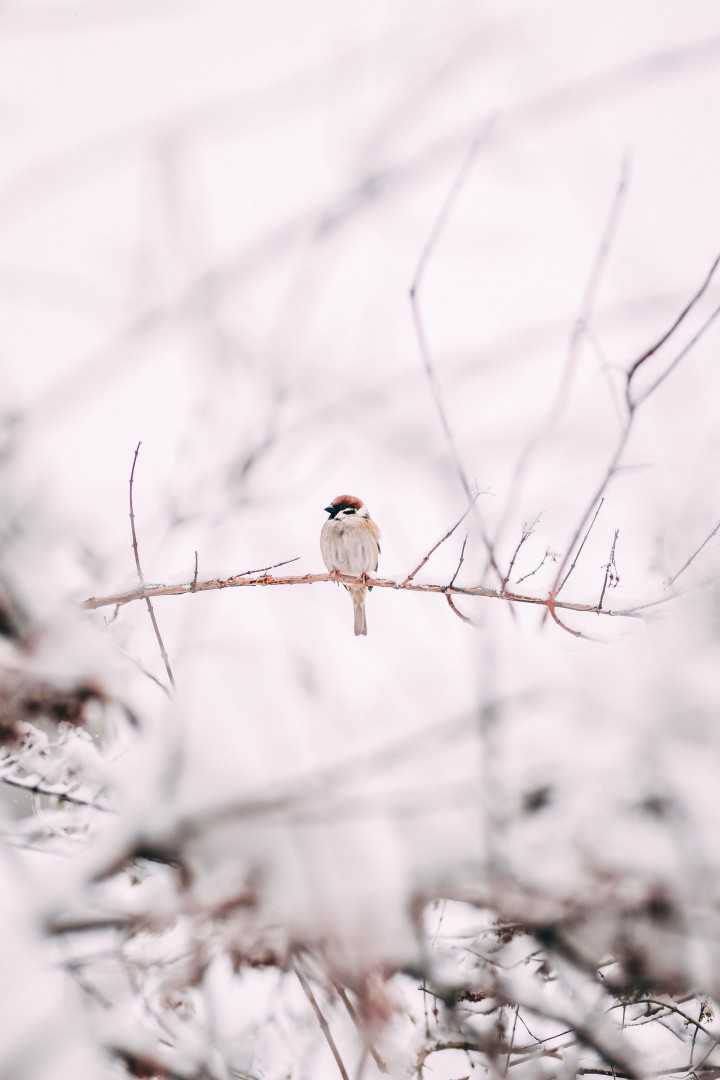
{"x":632,"y":370}
{"x":141,"y":579}
{"x":442,"y":540}
{"x":38,"y":786}
{"x":428,"y":249}
{"x":579,"y":331}
{"x":527,"y":531}
{"x":694,"y":555}
{"x":240,"y":582}
{"x":633,"y":408}
{"x":573,"y":564}
{"x":548,"y":555}
{"x":461,"y":560}
{"x":454,"y":608}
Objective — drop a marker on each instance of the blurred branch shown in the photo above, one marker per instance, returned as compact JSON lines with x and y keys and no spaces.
{"x":36,"y":785}
{"x":426,"y":254}
{"x":633,"y":407}
{"x":141,"y":579}
{"x":694,"y":555}
{"x":324,"y":1026}
{"x":644,"y":357}
{"x":579,"y":331}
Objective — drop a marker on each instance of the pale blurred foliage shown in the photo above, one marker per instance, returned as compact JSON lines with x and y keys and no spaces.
{"x":211,"y":216}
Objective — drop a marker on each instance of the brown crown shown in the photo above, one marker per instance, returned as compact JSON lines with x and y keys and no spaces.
{"x":347,"y":500}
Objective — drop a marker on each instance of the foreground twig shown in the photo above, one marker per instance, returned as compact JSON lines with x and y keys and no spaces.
{"x":324,"y":1026}
{"x":141,"y":579}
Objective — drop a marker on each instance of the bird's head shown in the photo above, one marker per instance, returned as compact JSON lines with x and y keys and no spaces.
{"x":346,"y":506}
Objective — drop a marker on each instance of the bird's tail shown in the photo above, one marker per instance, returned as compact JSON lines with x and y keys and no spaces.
{"x":358,"y":598}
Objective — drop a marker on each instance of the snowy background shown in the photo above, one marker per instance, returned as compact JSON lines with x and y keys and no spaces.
{"x":211,"y":216}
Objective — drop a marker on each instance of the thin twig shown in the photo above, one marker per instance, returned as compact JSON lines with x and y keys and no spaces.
{"x":141,"y":579}
{"x":195,"y":575}
{"x":324,"y":1027}
{"x":460,"y":562}
{"x":264,"y":569}
{"x":694,"y":555}
{"x":632,"y":370}
{"x":610,"y":568}
{"x":633,"y":408}
{"x":146,"y":672}
{"x":512,"y":1040}
{"x":527,"y":530}
{"x":433,"y":549}
{"x":573,"y":564}
{"x":548,"y":555}
{"x":578,"y":332}
{"x":454,"y":608}
{"x":680,"y":356}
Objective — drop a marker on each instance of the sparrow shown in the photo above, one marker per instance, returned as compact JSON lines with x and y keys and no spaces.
{"x":350,"y":544}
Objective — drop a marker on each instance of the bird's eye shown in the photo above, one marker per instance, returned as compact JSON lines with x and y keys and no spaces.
{"x":350,"y":511}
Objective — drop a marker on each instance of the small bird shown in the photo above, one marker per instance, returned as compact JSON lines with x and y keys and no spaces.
{"x":350,"y":544}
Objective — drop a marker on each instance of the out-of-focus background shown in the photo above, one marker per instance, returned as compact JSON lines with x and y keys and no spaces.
{"x":211,"y":216}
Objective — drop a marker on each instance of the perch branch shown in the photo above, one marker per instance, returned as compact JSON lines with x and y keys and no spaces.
{"x":241,"y":581}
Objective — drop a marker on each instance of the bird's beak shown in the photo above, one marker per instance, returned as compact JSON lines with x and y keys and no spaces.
{"x":328,"y":509}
